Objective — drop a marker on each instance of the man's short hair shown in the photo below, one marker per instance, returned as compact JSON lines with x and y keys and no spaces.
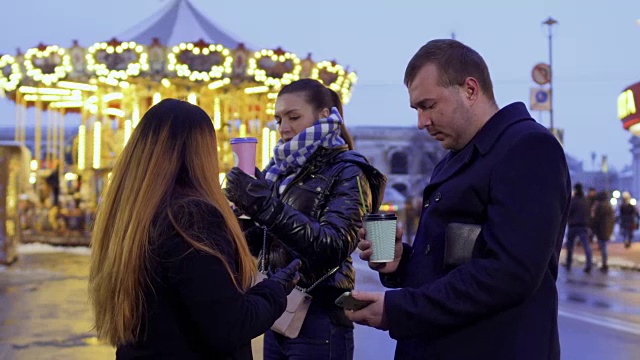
{"x":455,"y":62}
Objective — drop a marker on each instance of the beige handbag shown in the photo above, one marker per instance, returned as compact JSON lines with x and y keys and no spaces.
{"x":290,"y":322}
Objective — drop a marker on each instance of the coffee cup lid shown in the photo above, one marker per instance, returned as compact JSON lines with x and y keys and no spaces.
{"x":381,"y":216}
{"x":243,"y":140}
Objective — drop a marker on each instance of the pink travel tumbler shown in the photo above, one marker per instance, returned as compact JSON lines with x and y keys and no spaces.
{"x":244,"y":154}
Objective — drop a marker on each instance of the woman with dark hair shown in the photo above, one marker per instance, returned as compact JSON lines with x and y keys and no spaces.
{"x":308,"y":203}
{"x":171,"y":272}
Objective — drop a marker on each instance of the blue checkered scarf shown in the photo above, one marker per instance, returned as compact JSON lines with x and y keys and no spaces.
{"x":288,"y":157}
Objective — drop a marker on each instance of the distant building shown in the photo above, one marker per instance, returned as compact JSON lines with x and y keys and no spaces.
{"x":407,"y":156}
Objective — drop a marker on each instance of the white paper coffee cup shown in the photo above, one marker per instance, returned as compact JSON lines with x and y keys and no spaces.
{"x":381,"y":231}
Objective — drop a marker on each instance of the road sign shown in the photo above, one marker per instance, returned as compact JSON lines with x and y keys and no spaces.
{"x":541,"y":74}
{"x":540,"y":99}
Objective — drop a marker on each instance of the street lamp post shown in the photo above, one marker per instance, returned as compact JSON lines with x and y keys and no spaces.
{"x":550,"y":22}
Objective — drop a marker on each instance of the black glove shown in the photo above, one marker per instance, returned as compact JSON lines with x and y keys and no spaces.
{"x":246,"y":193}
{"x":289,"y":276}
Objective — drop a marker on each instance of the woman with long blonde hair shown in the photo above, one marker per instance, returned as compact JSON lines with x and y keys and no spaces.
{"x":171,"y":272}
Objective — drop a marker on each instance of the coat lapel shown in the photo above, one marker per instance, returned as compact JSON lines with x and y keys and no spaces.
{"x":454,"y":163}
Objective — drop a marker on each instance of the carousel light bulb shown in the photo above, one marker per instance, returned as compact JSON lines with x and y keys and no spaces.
{"x":70,"y":176}
{"x":135,"y":115}
{"x":127,"y":131}
{"x":97,"y":135}
{"x":192,"y":98}
{"x":265,"y":147}
{"x":156,"y":98}
{"x":34,"y":165}
{"x":217,"y":116}
{"x":82,"y":130}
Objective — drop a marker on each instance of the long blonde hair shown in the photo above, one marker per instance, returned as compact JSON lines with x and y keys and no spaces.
{"x":174,"y":141}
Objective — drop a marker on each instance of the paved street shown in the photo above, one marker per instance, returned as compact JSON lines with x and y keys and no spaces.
{"x":44,"y":312}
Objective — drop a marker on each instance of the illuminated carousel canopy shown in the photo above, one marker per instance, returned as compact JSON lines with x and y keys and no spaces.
{"x":177,"y":47}
{"x":176,"y":53}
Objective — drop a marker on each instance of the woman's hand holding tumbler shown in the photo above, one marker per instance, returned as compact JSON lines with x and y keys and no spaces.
{"x":249,"y":194}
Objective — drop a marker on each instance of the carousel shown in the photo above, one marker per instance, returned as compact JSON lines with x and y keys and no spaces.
{"x":107,"y":86}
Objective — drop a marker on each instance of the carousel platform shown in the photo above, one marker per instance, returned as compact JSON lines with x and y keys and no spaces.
{"x":72,"y":238}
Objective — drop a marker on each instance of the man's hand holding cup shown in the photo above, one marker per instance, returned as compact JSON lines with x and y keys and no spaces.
{"x":366,"y":247}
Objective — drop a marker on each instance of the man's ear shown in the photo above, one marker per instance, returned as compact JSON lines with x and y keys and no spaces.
{"x":471,"y":89}
{"x":325,"y":113}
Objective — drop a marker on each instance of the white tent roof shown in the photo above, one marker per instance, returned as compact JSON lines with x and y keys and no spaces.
{"x":178,"y":22}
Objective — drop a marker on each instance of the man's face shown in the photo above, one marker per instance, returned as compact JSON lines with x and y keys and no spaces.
{"x":443,"y":112}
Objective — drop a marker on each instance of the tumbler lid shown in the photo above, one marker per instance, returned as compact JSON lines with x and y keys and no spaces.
{"x":380,"y":216}
{"x":243,"y":140}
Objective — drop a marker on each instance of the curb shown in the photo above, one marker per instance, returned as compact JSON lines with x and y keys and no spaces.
{"x":613,"y":262}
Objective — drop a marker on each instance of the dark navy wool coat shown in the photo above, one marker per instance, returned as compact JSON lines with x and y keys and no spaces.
{"x":501,"y":302}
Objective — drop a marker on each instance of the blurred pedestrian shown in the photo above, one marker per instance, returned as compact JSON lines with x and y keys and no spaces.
{"x":604,"y":221}
{"x":578,"y":222}
{"x":628,"y":218}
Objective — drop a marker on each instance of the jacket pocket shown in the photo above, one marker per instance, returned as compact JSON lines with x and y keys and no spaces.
{"x":459,"y":241}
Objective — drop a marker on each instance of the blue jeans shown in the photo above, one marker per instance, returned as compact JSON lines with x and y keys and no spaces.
{"x":319,"y":339}
{"x":582,"y":233}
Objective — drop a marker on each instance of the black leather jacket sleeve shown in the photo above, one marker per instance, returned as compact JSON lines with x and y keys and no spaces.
{"x":328,"y":240}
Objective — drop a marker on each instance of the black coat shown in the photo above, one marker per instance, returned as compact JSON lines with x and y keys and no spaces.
{"x":193,"y":309}
{"x":501,"y":303}
{"x":579,"y":212}
{"x":317,"y":218}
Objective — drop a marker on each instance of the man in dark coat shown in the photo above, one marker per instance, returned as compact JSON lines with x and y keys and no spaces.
{"x":579,"y":222}
{"x":479,"y":281}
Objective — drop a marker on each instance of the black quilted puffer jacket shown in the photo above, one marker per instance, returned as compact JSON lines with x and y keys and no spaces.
{"x":317,"y":218}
